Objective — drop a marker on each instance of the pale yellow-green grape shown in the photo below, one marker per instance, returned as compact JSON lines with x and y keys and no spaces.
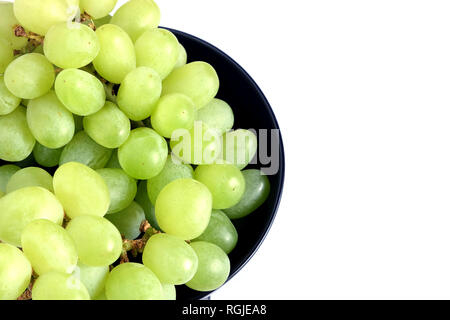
{"x":199,"y":145}
{"x":15,"y":272}
{"x":182,"y":57}
{"x":122,"y":188}
{"x":172,"y":171}
{"x":225,"y":181}
{"x":144,"y":154}
{"x":198,"y":80}
{"x":143,"y":200}
{"x":239,"y":147}
{"x":136,"y":17}
{"x":97,"y":240}
{"x":17,"y":142}
{"x":46,"y":157}
{"x":132,"y":281}
{"x":81,"y":190}
{"x":168,"y":292}
{"x":170,"y":258}
{"x":99,"y":8}
{"x":213,"y":267}
{"x":7,"y":23}
{"x":80,"y":92}
{"x":139,"y":93}
{"x":173,"y":111}
{"x":158,"y":49}
{"x":49,"y":247}
{"x":93,"y":278}
{"x":50,"y":122}
{"x":109,"y":126}
{"x":6,"y":172}
{"x":217,"y":115}
{"x":30,"y":177}
{"x":183,"y":208}
{"x":8,"y":101}
{"x":100,"y":22}
{"x":128,"y":221}
{"x":39,"y":16}
{"x":59,"y":286}
{"x":29,"y":76}
{"x":6,"y":54}
{"x":71,"y":45}
{"x":117,"y":56}
{"x":22,"y":206}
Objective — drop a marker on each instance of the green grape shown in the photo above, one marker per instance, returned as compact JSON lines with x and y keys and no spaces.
{"x":113,"y":162}
{"x":15,"y":272}
{"x":97,"y":240}
{"x":256,"y":193}
{"x":182,"y":57}
{"x":46,"y":157}
{"x":168,"y":292}
{"x":101,"y":296}
{"x":29,"y":76}
{"x":6,"y":54}
{"x":171,"y":259}
{"x":116,"y":57}
{"x":50,"y":123}
{"x":59,"y":286}
{"x":143,"y":200}
{"x":199,"y":145}
{"x":93,"y":278}
{"x":1,"y":194}
{"x":71,"y":45}
{"x":80,"y":92}
{"x":220,"y":231}
{"x":99,"y":8}
{"x":102,"y":21}
{"x":225,"y":181}
{"x":30,"y":177}
{"x":139,"y":93}
{"x":217,"y":115}
{"x":81,"y":190}
{"x":7,"y":22}
{"x":158,"y":49}
{"x":121,"y":187}
{"x":6,"y":172}
{"x":17,"y":142}
{"x":109,"y":126}
{"x":128,"y":221}
{"x":239,"y":147}
{"x":49,"y":247}
{"x":132,"y":281}
{"x":22,"y":206}
{"x":84,"y":150}
{"x":198,"y":80}
{"x":173,"y":111}
{"x":136,"y":17}
{"x":183,"y":208}
{"x":78,"y":123}
{"x":213,"y":267}
{"x":171,"y":172}
{"x":39,"y":16}
{"x":144,"y":154}
{"x":8,"y":101}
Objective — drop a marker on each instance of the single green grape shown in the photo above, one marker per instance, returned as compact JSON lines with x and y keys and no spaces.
{"x":6,"y":172}
{"x":19,"y":208}
{"x":71,"y":45}
{"x":49,"y":121}
{"x":97,"y":240}
{"x":17,"y":142}
{"x":80,"y":92}
{"x":59,"y":286}
{"x":132,"y":281}
{"x":143,"y":200}
{"x":182,"y":57}
{"x":213,"y":267}
{"x":116,"y":57}
{"x":84,"y":150}
{"x":256,"y":193}
{"x":8,"y":101}
{"x":93,"y":278}
{"x":170,"y":258}
{"x":121,"y":187}
{"x":139,"y":93}
{"x":217,"y":115}
{"x":6,"y":54}
{"x":144,"y":154}
{"x":30,"y":177}
{"x":15,"y":272}
{"x":173,"y":111}
{"x":99,"y":8}
{"x":128,"y":221}
{"x":46,"y":157}
{"x":183,"y":208}
{"x":198,"y":80}
{"x":168,"y":292}
{"x":81,"y":190}
{"x":239,"y":147}
{"x":7,"y":23}
{"x":49,"y":247}
{"x":29,"y":76}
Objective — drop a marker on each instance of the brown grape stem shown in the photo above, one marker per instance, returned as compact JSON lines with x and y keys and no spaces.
{"x":137,"y":246}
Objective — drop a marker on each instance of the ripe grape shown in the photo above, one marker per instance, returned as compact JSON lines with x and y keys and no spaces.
{"x":99,"y":8}
{"x":143,"y":200}
{"x":59,"y":286}
{"x":30,"y":177}
{"x":6,"y":172}
{"x":6,"y":54}
{"x":217,"y":115}
{"x":46,"y":157}
{"x":93,"y":278}
{"x":8,"y":101}
{"x":7,"y":22}
{"x":182,"y":57}
{"x":128,"y":221}
{"x":15,"y":272}
{"x":168,"y":292}
{"x":239,"y":147}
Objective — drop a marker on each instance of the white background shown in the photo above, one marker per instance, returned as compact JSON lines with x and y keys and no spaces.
{"x":362,"y":93}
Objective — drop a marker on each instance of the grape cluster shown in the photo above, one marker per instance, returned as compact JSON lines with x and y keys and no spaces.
{"x":99,"y":196}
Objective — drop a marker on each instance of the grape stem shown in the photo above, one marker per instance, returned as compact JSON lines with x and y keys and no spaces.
{"x":35,"y":38}
{"x":86,"y":19}
{"x":137,"y":246}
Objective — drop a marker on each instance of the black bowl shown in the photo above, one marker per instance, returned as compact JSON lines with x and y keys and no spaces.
{"x":252,"y":111}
